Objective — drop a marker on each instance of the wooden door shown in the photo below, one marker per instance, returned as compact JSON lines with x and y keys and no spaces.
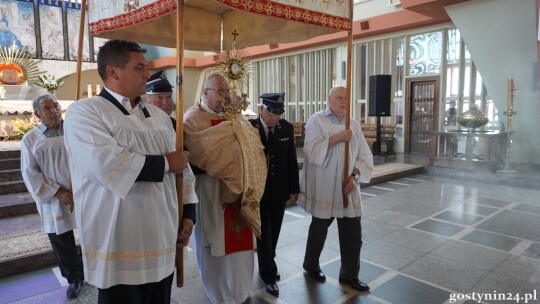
{"x":423,"y":109}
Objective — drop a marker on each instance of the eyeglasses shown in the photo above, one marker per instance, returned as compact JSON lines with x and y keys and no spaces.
{"x":220,"y":91}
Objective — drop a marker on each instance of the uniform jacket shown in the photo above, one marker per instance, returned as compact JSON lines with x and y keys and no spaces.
{"x":282,"y":178}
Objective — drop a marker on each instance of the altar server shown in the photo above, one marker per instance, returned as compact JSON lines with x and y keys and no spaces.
{"x":123,"y":160}
{"x":323,"y":187}
{"x":45,"y":171}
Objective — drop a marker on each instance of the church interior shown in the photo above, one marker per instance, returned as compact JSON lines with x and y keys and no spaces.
{"x":447,"y":96}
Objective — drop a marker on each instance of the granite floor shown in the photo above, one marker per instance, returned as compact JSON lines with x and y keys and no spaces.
{"x":426,"y":240}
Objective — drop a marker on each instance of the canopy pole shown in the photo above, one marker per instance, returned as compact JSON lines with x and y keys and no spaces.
{"x":80,"y":51}
{"x":346,"y":172}
{"x":179,"y":131}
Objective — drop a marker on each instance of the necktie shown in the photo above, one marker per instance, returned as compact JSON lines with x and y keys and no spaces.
{"x":270,"y":135}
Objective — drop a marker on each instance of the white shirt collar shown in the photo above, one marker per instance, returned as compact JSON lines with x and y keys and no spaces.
{"x":125,"y":101}
{"x":327,"y":111}
{"x":265,"y":126}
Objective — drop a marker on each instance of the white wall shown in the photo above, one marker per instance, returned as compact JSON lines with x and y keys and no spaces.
{"x":370,"y":8}
{"x":501,"y":37}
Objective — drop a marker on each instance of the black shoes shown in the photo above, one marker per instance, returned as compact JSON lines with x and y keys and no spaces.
{"x":318,"y":275}
{"x":355,"y":284}
{"x":272,"y":289}
{"x":278,"y":276}
{"x":74,"y":290}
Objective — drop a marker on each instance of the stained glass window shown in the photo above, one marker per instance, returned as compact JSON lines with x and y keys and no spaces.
{"x":425,"y":53}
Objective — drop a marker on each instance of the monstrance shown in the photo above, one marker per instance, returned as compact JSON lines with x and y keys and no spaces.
{"x":234,"y":65}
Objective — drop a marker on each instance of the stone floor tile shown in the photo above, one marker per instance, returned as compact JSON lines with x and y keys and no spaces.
{"x":492,"y":240}
{"x":446,"y":273}
{"x":389,"y":255}
{"x":459,"y":217}
{"x":476,"y":256}
{"x":404,"y":290}
{"x":437,"y":227}
{"x":512,"y":223}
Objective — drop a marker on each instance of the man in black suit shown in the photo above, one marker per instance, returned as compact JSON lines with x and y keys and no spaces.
{"x":282,"y":182}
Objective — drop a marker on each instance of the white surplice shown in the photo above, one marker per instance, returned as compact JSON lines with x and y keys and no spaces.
{"x":45,"y":168}
{"x":321,"y":177}
{"x":127,"y":229}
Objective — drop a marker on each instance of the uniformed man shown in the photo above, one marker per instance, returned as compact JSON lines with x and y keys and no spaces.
{"x":281,"y":183}
{"x":159,"y":92}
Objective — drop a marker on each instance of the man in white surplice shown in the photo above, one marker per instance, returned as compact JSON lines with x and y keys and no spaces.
{"x":45,"y":171}
{"x":123,"y":160}
{"x":322,"y":187}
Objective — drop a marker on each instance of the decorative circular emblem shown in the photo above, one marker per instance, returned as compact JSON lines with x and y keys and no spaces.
{"x":11,"y":74}
{"x":235,"y":69}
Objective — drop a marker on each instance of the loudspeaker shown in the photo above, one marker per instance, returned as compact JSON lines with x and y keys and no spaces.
{"x":379,"y":95}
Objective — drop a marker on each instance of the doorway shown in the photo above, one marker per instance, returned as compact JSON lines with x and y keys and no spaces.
{"x":422,"y":115}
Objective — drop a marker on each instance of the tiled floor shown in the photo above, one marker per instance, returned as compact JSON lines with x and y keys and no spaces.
{"x":426,"y":239}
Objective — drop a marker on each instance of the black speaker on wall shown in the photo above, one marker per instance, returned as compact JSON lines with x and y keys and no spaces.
{"x":379,"y":95}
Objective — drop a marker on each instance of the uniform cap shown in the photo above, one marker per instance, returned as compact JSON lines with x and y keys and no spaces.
{"x":158,"y":83}
{"x":274,"y":102}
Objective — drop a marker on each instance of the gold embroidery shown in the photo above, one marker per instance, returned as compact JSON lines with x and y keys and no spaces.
{"x":237,"y":225}
{"x":329,"y":202}
{"x":128,"y":254}
{"x":57,"y":218}
{"x":123,"y":159}
{"x":253,"y":203}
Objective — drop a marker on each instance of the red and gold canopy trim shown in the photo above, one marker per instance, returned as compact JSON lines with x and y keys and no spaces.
{"x":289,"y":12}
{"x":137,"y":16}
{"x":261,"y":7}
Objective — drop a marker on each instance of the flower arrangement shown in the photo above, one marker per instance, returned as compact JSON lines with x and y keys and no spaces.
{"x":49,"y":83}
{"x":22,"y":126}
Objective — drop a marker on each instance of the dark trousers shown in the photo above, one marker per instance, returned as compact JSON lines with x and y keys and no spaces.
{"x":67,"y":256}
{"x":350,"y":243}
{"x":271,"y":219}
{"x":149,"y":293}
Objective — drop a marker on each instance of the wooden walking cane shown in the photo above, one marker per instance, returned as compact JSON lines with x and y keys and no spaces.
{"x":346,"y":173}
{"x":80,"y":51}
{"x":179,"y":131}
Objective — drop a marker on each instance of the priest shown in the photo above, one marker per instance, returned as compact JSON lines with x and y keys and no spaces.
{"x":230,"y":182}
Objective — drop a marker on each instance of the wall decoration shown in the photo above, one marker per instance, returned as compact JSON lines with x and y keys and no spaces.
{"x":73,"y":12}
{"x":16,"y":66}
{"x":17,"y":25}
{"x":98,"y":42}
{"x":52,"y":33}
